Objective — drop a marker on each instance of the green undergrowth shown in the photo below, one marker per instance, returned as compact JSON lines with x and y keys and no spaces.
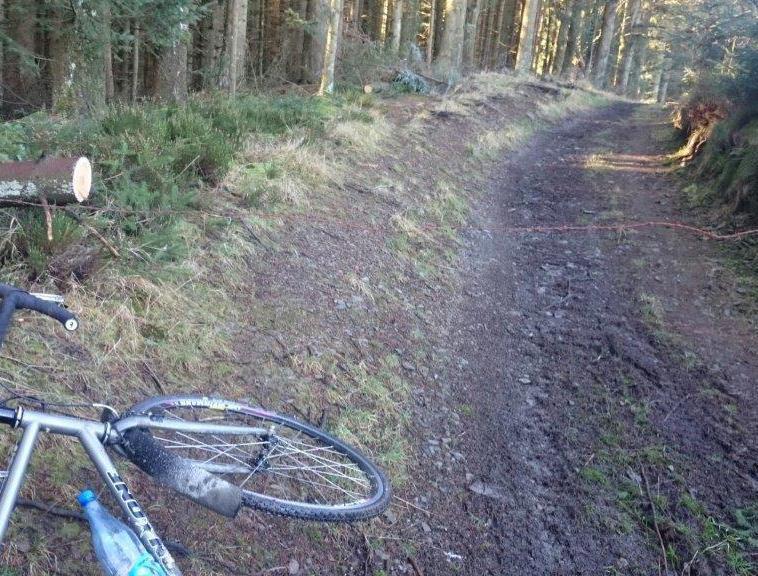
{"x":726,"y":172}
{"x":636,"y":481}
{"x":726,"y":183}
{"x":156,"y":165}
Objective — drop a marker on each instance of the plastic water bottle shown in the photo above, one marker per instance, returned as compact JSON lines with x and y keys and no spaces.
{"x":117,"y":547}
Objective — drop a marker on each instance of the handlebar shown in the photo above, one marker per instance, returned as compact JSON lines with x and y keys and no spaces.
{"x":15,"y":299}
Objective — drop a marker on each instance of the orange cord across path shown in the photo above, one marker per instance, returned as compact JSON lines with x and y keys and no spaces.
{"x":634,"y":226}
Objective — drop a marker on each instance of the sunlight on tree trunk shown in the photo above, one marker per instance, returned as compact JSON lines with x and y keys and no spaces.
{"x":529,"y":18}
{"x":632,"y":45}
{"x":600,"y":72}
{"x":331,"y":46}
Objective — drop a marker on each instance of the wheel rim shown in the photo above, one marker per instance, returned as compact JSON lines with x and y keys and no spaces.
{"x":283,"y":461}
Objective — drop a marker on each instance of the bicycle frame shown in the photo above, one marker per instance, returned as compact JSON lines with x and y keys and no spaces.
{"x":92,"y":435}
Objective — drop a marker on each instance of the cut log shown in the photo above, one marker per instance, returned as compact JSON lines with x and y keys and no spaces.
{"x":58,"y":180}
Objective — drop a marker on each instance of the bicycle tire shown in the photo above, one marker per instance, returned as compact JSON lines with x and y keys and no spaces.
{"x":374,"y":503}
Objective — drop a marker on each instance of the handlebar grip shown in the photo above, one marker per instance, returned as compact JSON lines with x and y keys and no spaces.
{"x":29,"y":302}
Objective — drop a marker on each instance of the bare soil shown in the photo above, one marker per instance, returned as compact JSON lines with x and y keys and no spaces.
{"x":599,"y":374}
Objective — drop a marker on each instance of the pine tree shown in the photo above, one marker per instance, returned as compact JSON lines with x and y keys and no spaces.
{"x":235,"y":45}
{"x":450,"y":56}
{"x":397,"y":25}
{"x":632,"y":44}
{"x":331,"y":46}
{"x":600,"y":70}
{"x":472,"y":29}
{"x":529,"y":20}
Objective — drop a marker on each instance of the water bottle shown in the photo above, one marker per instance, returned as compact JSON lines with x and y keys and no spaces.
{"x":117,"y":547}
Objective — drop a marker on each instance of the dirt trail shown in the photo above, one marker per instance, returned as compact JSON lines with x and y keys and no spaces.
{"x":554,"y":385}
{"x":596,"y":373}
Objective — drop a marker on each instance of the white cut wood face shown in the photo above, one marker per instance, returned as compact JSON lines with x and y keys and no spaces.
{"x":82,"y":179}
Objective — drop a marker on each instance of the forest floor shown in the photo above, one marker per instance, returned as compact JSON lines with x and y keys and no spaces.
{"x":545,"y":401}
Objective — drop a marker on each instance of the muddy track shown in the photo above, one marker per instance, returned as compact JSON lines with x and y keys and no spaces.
{"x":573,"y":349}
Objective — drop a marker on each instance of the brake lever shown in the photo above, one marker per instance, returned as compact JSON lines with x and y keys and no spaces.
{"x":56,"y":298}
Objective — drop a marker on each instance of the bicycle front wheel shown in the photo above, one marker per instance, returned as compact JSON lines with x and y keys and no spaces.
{"x":283,"y":466}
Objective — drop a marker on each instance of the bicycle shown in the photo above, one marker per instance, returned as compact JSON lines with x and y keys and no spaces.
{"x":219,"y":453}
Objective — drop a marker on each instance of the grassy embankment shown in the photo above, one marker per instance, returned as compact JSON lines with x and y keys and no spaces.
{"x":190,"y":197}
{"x":717,"y":129}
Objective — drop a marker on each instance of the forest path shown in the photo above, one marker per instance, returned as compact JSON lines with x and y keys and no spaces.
{"x":598,"y":372}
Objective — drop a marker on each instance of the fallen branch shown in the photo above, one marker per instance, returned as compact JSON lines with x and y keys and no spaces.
{"x":51,"y":509}
{"x":48,"y":216}
{"x":92,"y":230}
{"x":416,"y":570}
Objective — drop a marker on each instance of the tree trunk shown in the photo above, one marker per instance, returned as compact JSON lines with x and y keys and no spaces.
{"x":2,"y":48}
{"x":600,"y":72}
{"x":411,"y":23}
{"x":172,"y":77}
{"x":529,"y":19}
{"x":640,"y":59}
{"x":481,"y":34}
{"x":593,"y":35}
{"x":135,"y":63}
{"x":472,"y":27}
{"x":546,"y":40}
{"x":439,"y":25}
{"x":236,"y":46}
{"x":430,"y":35}
{"x":451,"y":48}
{"x":618,"y":46}
{"x":315,"y":37}
{"x":381,"y":16}
{"x":295,"y":63}
{"x":21,"y":31}
{"x":572,"y":36}
{"x":273,"y":24}
{"x":58,"y":180}
{"x":213,"y":44}
{"x":358,"y":15}
{"x":658,"y":78}
{"x":563,"y":36}
{"x":663,"y":80}
{"x":60,"y":73}
{"x":489,"y":34}
{"x":510,"y":19}
{"x":85,"y":78}
{"x":172,"y":73}
{"x":632,"y":44}
{"x":331,"y":46}
{"x":110,"y":88}
{"x":397,"y":25}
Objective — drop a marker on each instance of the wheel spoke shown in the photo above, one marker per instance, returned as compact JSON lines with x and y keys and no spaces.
{"x":288,"y":464}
